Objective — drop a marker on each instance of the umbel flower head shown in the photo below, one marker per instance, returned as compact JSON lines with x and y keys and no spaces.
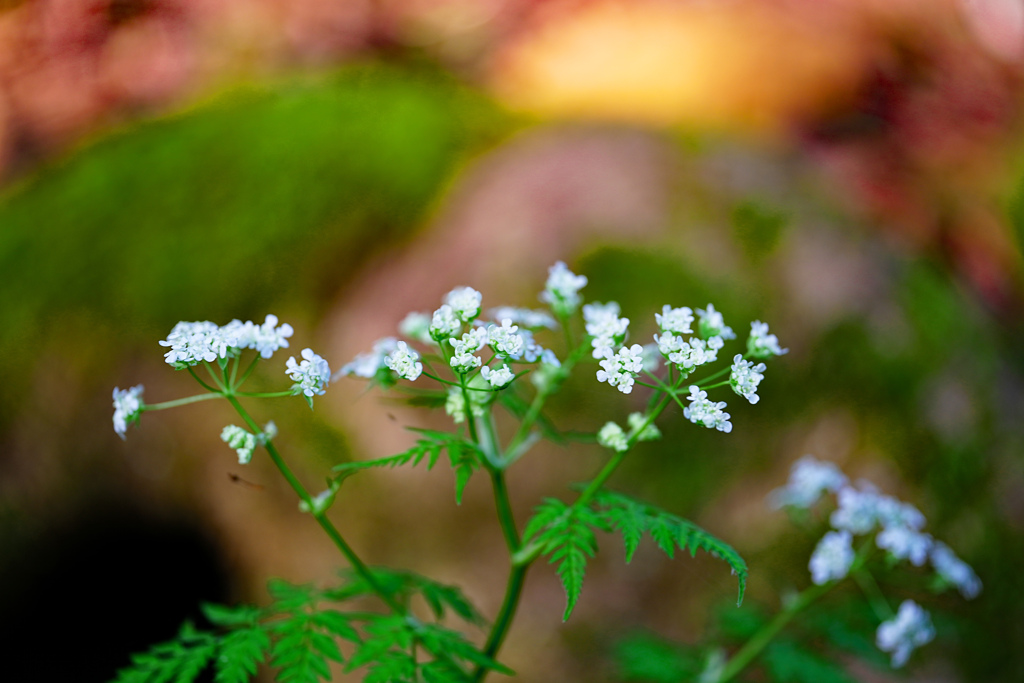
{"x":909,"y":629}
{"x":465,"y":303}
{"x":808,"y":479}
{"x":561,"y":291}
{"x":404,"y":361}
{"x":605,"y":326}
{"x":196,"y":342}
{"x":712,"y":324}
{"x":619,"y":369}
{"x":242,"y":441}
{"x":833,"y":557}
{"x":127,"y":408}
{"x":745,"y":377}
{"x":760,"y":344}
{"x":705,"y":412}
{"x":367,"y":365}
{"x":311,"y":376}
{"x":611,"y":436}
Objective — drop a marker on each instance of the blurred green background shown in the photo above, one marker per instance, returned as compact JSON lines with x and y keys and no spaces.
{"x":342,"y":186}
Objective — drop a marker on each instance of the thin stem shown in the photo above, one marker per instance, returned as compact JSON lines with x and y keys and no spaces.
{"x":712,"y":376}
{"x":181,"y":401}
{"x":203,"y":384}
{"x":248,"y":370}
{"x":234,"y":371}
{"x":715,"y":386}
{"x":760,"y":640}
{"x":265,"y":394}
{"x":454,"y":384}
{"x":216,"y":380}
{"x":326,"y":524}
{"x":504,"y":507}
{"x":513,"y":591}
{"x":879,"y":605}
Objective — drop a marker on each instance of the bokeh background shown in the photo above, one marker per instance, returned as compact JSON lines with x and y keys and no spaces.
{"x":849,"y":170}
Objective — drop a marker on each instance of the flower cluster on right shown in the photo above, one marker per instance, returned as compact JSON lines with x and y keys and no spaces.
{"x":861,"y":510}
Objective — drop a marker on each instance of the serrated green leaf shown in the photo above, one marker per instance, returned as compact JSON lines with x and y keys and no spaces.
{"x":670,"y":532}
{"x":336,"y":623}
{"x":446,"y":644}
{"x":222,"y":615}
{"x":630,"y":521}
{"x":180,"y":660}
{"x":239,"y":654}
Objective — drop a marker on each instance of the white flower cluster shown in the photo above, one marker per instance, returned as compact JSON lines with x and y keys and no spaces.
{"x":455,"y":404}
{"x":127,"y":408}
{"x":505,"y":340}
{"x":404,"y":361}
{"x":648,"y":433}
{"x":366,"y":365}
{"x":444,"y":323}
{"x":706,"y":412}
{"x":242,"y":441}
{"x":832,"y":558}
{"x":909,"y":629}
{"x":760,"y":344}
{"x":464,"y":302}
{"x":463,"y":360}
{"x":745,"y":377}
{"x":611,"y":436}
{"x":712,"y":324}
{"x":675,"y":320}
{"x":561,"y":291}
{"x":311,"y":376}
{"x":863,"y":510}
{"x":499,"y":378}
{"x":688,"y":355}
{"x":526,"y":317}
{"x":620,"y":369}
{"x":194,"y":342}
{"x":605,"y":326}
{"x":416,"y":326}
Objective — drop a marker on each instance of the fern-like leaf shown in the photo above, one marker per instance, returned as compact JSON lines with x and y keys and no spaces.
{"x":463,"y":455}
{"x":668,"y":531}
{"x":403,"y":585}
{"x":180,"y":660}
{"x":565,"y":535}
{"x":239,"y":654}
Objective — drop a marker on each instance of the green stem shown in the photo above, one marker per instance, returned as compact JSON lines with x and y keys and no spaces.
{"x":268,"y":394}
{"x":181,"y":401}
{"x":513,"y":591}
{"x":216,"y":380}
{"x":203,"y":384}
{"x":504,"y":507}
{"x":234,"y":371}
{"x":326,"y":524}
{"x":760,"y":640}
{"x":454,"y":384}
{"x":879,"y":605}
{"x":715,"y":386}
{"x":248,"y":371}
{"x":715,"y":375}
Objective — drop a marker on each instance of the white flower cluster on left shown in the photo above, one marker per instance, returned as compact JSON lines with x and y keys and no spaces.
{"x":192,"y":343}
{"x":128,"y":407}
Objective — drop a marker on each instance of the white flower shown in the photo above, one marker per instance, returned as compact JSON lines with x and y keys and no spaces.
{"x":808,"y":479}
{"x":194,"y":342}
{"x":955,"y":571}
{"x":404,"y":361}
{"x":463,"y":360}
{"x":760,"y":344}
{"x":909,"y":629}
{"x":242,"y":441}
{"x":704,"y":412}
{"x":691,"y":354}
{"x":896,"y":513}
{"x":832,"y":557}
{"x":605,"y":326}
{"x":128,"y":407}
{"x":524,"y":316}
{"x":712,"y":324}
{"x":619,"y":369}
{"x":649,"y":433}
{"x":497,"y":378}
{"x":531,"y":351}
{"x":367,"y":364}
{"x":268,"y":337}
{"x":745,"y":377}
{"x":444,"y":323}
{"x":465,"y":303}
{"x":858,"y":510}
{"x":561,"y":291}
{"x":905,"y":544}
{"x":268,"y":433}
{"x":455,"y":405}
{"x":611,"y":436}
{"x":311,"y":376}
{"x":675,"y":320}
{"x":504,"y":340}
{"x":416,"y":326}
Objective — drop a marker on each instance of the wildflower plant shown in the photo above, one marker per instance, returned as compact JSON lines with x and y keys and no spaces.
{"x":871,"y":535}
{"x":472,"y":364}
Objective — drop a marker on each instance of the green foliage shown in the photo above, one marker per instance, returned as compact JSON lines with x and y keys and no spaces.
{"x":645,"y":657}
{"x":564,"y":533}
{"x":179,"y":660}
{"x":632,"y":519}
{"x":463,"y":455}
{"x":402,"y":586}
{"x":300,"y":635}
{"x":787,"y":662}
